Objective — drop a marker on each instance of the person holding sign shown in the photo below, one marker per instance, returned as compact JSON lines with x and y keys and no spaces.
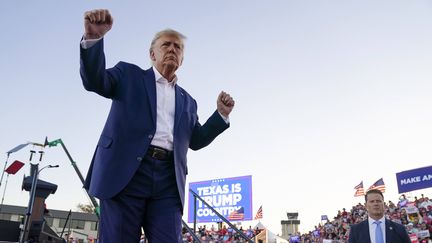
{"x":139,"y":167}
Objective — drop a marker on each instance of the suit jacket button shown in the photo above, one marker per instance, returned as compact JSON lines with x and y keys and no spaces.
{"x":139,"y":159}
{"x":150,"y":136}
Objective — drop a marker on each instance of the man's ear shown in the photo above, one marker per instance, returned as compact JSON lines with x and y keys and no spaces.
{"x":152,"y":55}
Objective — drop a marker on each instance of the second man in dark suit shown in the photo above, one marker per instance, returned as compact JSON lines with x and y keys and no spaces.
{"x":377,"y":229}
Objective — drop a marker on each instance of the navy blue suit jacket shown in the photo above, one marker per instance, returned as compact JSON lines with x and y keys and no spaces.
{"x":131,"y":123}
{"x":395,"y":233}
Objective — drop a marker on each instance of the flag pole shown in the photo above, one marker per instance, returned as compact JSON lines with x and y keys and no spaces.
{"x":4,"y":169}
{"x":17,"y":148}
{"x":4,"y":192}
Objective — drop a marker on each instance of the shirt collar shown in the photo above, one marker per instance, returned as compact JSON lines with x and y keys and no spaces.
{"x":371,"y":220}
{"x":160,"y":79}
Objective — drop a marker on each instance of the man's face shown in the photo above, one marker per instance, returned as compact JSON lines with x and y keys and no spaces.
{"x":167,"y":52}
{"x":375,"y":206}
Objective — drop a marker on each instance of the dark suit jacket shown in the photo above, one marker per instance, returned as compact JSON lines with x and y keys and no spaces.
{"x":395,"y":233}
{"x":131,"y":123}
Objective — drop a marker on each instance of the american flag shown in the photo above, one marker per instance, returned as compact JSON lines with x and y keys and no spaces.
{"x":359,"y":190}
{"x":259,"y":214}
{"x":379,"y":184}
{"x":237,"y":214}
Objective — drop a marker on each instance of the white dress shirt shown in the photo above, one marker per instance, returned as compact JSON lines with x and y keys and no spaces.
{"x":165,"y":111}
{"x":372,"y":228}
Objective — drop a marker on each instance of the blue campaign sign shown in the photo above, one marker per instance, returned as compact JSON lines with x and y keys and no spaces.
{"x":231,"y":197}
{"x":411,"y":180}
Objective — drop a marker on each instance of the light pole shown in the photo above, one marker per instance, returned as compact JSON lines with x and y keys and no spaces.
{"x":31,"y":200}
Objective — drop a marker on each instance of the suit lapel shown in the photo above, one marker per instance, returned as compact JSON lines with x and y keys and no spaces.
{"x":150,"y":86}
{"x":366,"y":229}
{"x":179,"y":104}
{"x":389,"y":231}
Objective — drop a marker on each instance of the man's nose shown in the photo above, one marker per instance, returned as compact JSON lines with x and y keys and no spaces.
{"x":171,"y":48}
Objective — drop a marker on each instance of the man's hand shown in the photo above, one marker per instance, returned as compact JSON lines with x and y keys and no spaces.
{"x":225,"y":104}
{"x":97,"y":23}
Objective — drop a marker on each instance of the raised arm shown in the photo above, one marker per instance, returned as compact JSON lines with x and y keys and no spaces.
{"x":93,"y":72}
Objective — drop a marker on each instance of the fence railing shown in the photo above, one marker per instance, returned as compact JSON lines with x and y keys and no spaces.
{"x":191,"y":232}
{"x":197,"y":197}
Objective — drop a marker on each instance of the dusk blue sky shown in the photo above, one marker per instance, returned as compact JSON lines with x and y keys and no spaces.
{"x":328,"y":93}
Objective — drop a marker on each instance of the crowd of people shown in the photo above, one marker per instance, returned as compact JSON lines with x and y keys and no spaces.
{"x":415,"y":215}
{"x":223,"y":234}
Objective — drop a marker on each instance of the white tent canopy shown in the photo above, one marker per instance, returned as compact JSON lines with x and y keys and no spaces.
{"x":267,"y":236}
{"x":259,"y":226}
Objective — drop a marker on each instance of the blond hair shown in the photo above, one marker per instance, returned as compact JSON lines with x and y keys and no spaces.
{"x":165,"y":32}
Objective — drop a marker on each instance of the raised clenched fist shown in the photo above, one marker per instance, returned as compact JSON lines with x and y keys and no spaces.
{"x":97,"y":23}
{"x":225,"y":103}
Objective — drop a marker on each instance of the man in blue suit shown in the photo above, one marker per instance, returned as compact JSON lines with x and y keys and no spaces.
{"x":139,"y":167}
{"x":377,"y":229}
